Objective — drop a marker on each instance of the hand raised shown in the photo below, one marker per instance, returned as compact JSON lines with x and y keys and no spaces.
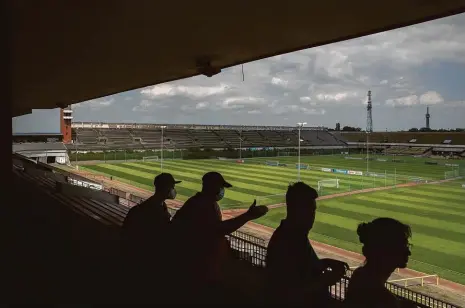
{"x":255,"y":211}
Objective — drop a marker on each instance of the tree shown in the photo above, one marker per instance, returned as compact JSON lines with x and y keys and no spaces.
{"x":414,"y":129}
{"x":351,"y":129}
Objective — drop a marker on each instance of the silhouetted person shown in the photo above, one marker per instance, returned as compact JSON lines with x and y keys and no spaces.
{"x":145,"y":235}
{"x":199,"y":233}
{"x":385,"y":247}
{"x":296,"y":276}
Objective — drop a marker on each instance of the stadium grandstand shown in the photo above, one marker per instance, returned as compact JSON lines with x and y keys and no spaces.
{"x":63,"y":228}
{"x":89,"y":136}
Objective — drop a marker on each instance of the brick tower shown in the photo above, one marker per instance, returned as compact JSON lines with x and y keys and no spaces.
{"x":66,"y":117}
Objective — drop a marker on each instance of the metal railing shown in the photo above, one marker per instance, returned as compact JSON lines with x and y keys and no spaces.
{"x":420,"y":299}
{"x":420,"y":278}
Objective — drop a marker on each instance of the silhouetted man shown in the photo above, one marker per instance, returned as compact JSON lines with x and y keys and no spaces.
{"x":145,"y":231}
{"x":200,"y":231}
{"x":296,"y":276}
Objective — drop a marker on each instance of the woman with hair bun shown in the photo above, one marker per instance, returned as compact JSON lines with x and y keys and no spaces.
{"x":385,"y":247}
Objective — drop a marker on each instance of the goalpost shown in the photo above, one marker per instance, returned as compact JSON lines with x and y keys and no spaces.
{"x":272,"y":163}
{"x":332,"y":183}
{"x":302,"y":166}
{"x":451,"y":174}
{"x":150,"y":158}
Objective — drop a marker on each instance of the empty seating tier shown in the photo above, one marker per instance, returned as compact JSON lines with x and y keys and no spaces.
{"x":183,"y":138}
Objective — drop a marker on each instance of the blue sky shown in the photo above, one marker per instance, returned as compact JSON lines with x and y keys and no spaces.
{"x":39,"y":121}
{"x":407,"y":70}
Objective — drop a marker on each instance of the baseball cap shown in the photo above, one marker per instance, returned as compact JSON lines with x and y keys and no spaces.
{"x":214,"y":178}
{"x":164,"y":179}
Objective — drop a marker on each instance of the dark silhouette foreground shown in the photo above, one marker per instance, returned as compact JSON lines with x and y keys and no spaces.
{"x":296,"y":276}
{"x":199,"y":246}
{"x":385,"y":247}
{"x":145,"y":239}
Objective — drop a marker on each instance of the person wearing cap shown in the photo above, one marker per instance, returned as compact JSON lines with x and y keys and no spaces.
{"x":200,"y":230}
{"x":145,"y":231}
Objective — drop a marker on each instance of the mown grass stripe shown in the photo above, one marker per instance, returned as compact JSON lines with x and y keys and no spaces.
{"x":194,"y":176}
{"x":407,"y":218}
{"x":241,"y":186}
{"x":233,"y":197}
{"x":405,"y":195}
{"x":418,"y":208}
{"x":147,"y":181}
{"x":437,"y":195}
{"x":229,"y":175}
{"x":265,"y":172}
{"x":344,"y":211}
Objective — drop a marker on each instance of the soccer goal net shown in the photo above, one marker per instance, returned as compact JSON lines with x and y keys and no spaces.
{"x":302,"y":166}
{"x":150,"y":158}
{"x":451,"y":174}
{"x":272,"y":163}
{"x":332,"y":183}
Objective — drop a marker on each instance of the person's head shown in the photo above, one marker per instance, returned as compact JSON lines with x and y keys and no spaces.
{"x":301,"y":204}
{"x":165,"y":186}
{"x":213,"y":184}
{"x":385,"y":243}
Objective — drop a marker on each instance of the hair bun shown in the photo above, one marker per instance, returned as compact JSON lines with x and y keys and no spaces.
{"x":363,"y":232}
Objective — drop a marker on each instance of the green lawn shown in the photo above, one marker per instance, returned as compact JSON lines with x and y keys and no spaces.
{"x":436,"y":212}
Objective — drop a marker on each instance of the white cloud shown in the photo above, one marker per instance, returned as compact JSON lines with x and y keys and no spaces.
{"x":337,"y":97}
{"x":428,"y":98}
{"x":403,"y":101}
{"x":96,"y":104}
{"x":202,"y":105}
{"x":431,"y":98}
{"x":279,"y":82}
{"x":313,"y":111}
{"x":254,"y":112}
{"x":305,"y":99}
{"x":192,"y":91}
{"x":143,"y":105}
{"x":383,"y":82}
{"x":234,"y":102}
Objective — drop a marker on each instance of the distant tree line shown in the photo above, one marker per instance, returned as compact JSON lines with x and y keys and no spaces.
{"x":345,"y":128}
{"x":441,"y":130}
{"x":413,"y":130}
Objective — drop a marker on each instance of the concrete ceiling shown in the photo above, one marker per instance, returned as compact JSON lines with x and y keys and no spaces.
{"x":64,"y":52}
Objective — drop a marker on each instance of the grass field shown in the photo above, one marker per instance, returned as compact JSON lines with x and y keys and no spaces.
{"x":436,"y":212}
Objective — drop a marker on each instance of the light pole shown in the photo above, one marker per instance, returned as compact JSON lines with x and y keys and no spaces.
{"x":240,"y":145}
{"x":161,"y":152}
{"x":299,"y":127}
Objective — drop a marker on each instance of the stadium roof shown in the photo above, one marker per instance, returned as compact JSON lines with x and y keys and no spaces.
{"x":33,"y":147}
{"x":65,"y":52}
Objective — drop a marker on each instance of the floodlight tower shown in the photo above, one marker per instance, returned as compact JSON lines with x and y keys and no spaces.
{"x":369,"y":128}
{"x":161,"y":152}
{"x":299,"y":127}
{"x":369,"y":114}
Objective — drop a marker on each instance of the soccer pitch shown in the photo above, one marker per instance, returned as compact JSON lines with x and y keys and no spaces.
{"x":436,"y":212}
